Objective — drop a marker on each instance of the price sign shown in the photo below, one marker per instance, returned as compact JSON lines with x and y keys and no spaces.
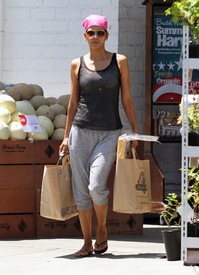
{"x":30,"y":123}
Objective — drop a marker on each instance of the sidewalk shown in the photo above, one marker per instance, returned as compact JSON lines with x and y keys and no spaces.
{"x":129,"y":255}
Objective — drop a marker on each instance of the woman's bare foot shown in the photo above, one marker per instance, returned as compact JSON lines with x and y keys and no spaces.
{"x":85,"y":251}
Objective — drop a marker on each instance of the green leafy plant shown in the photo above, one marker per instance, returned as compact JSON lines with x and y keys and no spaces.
{"x":193,"y":116}
{"x":170,"y":213}
{"x":193,"y":190}
{"x":186,"y":11}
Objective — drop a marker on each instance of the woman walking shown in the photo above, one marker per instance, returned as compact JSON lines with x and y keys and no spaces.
{"x":93,"y":126}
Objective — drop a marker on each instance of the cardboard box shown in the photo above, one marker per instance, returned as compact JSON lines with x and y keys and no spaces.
{"x":17,"y":201}
{"x":192,"y":256}
{"x":47,"y":151}
{"x":20,"y":226}
{"x":16,"y":152}
{"x":39,"y":169}
{"x":17,"y":177}
{"x":47,"y":228}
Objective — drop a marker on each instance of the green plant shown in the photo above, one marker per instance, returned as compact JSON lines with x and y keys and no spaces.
{"x":193,"y":190}
{"x":193,"y":116}
{"x":186,"y":11}
{"x":170,"y":213}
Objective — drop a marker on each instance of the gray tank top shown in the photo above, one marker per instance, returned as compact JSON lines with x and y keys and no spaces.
{"x":99,"y":97}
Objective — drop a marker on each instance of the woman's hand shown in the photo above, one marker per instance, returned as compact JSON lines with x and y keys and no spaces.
{"x":63,"y":148}
{"x":134,"y":144}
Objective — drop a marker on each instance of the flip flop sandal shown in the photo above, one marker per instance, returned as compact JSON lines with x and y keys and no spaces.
{"x":102,"y":250}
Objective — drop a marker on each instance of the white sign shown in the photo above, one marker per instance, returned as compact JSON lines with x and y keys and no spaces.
{"x":30,"y":123}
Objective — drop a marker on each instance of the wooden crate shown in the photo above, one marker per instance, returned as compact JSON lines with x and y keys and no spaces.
{"x":17,"y":226}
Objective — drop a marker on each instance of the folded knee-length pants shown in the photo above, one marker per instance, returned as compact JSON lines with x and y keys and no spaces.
{"x":92,"y":155}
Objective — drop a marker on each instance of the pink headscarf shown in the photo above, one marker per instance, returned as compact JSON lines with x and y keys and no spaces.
{"x":95,"y":20}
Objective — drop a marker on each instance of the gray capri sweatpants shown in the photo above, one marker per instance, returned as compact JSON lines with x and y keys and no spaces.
{"x":92,"y":155}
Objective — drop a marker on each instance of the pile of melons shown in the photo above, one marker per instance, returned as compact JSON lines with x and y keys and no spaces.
{"x":29,"y":99}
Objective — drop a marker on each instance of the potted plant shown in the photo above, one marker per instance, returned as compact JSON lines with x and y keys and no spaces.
{"x":187,"y":12}
{"x":172,"y":235}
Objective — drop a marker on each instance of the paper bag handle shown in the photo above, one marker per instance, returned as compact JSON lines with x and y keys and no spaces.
{"x":65,"y":158}
{"x":134,"y":153}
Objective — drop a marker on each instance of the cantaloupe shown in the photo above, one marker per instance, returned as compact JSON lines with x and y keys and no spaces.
{"x":45,"y":111}
{"x":7,"y":102}
{"x":51,"y":100}
{"x":59,"y":121}
{"x":25,"y":108}
{"x":58,"y":109}
{"x":1,"y":86}
{"x":37,"y":90}
{"x":64,"y":100}
{"x":13,"y":93}
{"x":46,"y":123}
{"x":16,"y":130}
{"x":4,"y":131}
{"x":24,"y":90}
{"x":58,"y":134}
{"x":38,"y":101}
{"x":39,"y":135}
{"x":5,"y":115}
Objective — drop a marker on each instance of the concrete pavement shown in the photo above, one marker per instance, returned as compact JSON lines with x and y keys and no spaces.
{"x":137,"y":255}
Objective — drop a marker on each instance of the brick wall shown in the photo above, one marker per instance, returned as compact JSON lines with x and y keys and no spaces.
{"x":132,"y":44}
{"x":42,"y":36}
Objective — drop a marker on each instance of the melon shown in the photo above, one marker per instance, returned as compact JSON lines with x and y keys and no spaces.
{"x":43,"y":135}
{"x":4,"y":131}
{"x":64,"y":100}
{"x":46,"y":123}
{"x":58,"y":134}
{"x":15,"y":116}
{"x":51,"y":100}
{"x":1,"y":86}
{"x":45,"y":111}
{"x":38,"y":101}
{"x":5,"y":115}
{"x":25,"y":108}
{"x":24,"y":90}
{"x":7,"y":102}
{"x":58,"y":109}
{"x":14,"y":94}
{"x":37,"y":90}
{"x":59,"y":121}
{"x":16,"y":130}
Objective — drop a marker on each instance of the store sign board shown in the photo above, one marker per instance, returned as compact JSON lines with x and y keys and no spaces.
{"x":167,"y":57}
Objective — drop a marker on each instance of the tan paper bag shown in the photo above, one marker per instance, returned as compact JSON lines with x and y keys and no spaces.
{"x":132,"y":186}
{"x":57,"y":200}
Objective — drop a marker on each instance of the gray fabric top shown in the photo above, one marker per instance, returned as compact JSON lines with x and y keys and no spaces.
{"x":99,"y":97}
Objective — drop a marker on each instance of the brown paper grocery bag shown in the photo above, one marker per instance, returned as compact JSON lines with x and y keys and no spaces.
{"x":132,"y":186}
{"x":57,"y":200}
